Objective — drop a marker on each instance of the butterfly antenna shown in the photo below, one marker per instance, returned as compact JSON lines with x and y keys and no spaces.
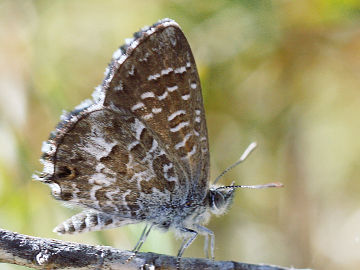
{"x":246,"y":153}
{"x":269,"y":185}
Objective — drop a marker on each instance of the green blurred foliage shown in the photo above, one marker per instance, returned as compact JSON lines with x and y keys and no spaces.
{"x":282,"y":73}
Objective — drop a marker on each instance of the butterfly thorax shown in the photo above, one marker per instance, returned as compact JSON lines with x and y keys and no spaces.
{"x":182,"y":217}
{"x":190,"y":214}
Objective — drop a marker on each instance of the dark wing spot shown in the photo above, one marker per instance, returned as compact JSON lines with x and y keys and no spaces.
{"x":65,"y":172}
{"x":138,"y":151}
{"x":93,"y":220}
{"x":116,"y":160}
{"x":146,"y":139}
{"x":66,"y":196}
{"x":108,"y":221}
{"x":82,"y":225}
{"x":71,"y":228}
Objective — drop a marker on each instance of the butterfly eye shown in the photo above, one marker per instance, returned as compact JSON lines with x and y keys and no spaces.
{"x":218,"y":200}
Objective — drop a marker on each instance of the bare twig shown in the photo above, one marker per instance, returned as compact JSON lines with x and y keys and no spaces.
{"x":41,"y":253}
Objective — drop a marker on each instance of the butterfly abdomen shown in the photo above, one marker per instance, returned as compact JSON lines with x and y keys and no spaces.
{"x":90,"y":220}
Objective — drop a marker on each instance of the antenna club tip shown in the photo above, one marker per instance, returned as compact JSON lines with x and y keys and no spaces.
{"x":277,"y":184}
{"x":253,"y":144}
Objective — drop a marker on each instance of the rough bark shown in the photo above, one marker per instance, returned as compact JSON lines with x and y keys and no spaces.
{"x":41,"y":253}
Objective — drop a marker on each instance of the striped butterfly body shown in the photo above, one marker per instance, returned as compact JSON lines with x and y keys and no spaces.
{"x":138,"y":151}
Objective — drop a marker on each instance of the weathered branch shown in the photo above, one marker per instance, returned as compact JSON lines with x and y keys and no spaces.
{"x":41,"y":253}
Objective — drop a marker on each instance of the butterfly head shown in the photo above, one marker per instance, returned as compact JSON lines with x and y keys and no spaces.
{"x":220,"y":199}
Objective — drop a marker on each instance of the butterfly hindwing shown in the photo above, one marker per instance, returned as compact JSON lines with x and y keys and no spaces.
{"x":109,"y":161}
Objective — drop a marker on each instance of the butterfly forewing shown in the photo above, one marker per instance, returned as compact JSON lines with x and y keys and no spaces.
{"x":158,"y":83}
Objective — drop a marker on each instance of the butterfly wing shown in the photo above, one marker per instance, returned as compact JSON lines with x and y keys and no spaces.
{"x":143,"y":142}
{"x":154,"y":77}
{"x":109,"y":161}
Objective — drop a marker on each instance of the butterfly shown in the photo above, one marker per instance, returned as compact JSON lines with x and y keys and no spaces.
{"x":138,"y":150}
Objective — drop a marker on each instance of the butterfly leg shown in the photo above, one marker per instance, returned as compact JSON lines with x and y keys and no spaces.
{"x":141,"y":241}
{"x":141,"y":237}
{"x":206,"y":232}
{"x":186,"y":243}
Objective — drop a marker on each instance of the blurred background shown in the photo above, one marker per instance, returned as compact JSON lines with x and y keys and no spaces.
{"x":282,"y":73}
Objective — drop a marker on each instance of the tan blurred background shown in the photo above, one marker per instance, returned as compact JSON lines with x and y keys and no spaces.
{"x":282,"y":73}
